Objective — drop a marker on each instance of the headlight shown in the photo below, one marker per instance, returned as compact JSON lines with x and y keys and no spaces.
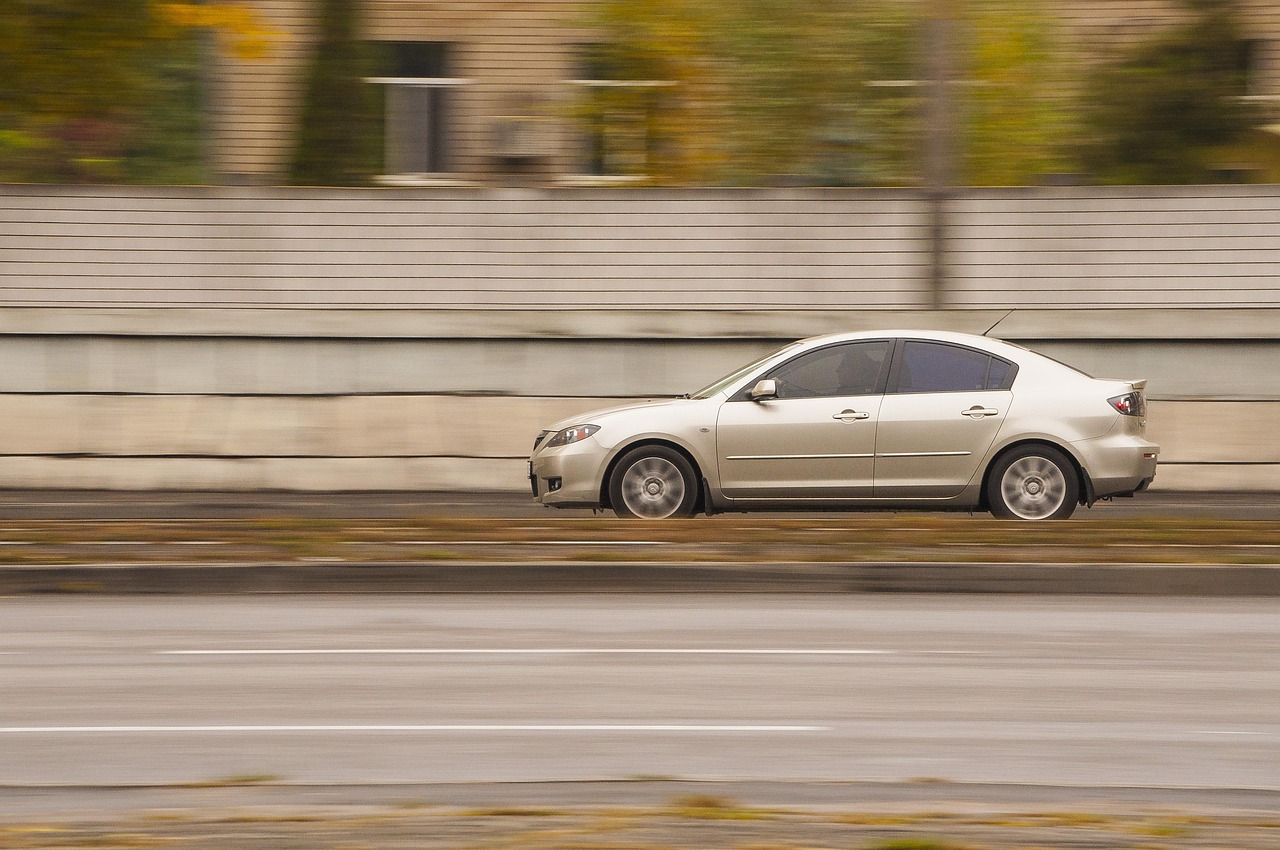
{"x":572,"y":435}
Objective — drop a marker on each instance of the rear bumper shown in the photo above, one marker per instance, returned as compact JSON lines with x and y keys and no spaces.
{"x":1118,"y":464}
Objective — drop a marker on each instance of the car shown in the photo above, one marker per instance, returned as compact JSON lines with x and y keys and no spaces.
{"x":868,"y":420}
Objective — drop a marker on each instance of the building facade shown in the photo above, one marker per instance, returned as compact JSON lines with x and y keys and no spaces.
{"x":481,"y":92}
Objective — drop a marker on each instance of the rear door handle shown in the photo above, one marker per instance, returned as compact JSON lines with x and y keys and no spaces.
{"x":978,"y":411}
{"x":850,"y":415}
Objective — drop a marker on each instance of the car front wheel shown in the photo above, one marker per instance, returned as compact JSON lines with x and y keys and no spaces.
{"x":1033,"y":482}
{"x":653,"y":482}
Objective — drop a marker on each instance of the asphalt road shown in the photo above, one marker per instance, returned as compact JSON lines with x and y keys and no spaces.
{"x":368,"y":689}
{"x":120,"y":504}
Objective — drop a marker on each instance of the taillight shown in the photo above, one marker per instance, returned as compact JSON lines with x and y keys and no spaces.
{"x":1130,"y":404}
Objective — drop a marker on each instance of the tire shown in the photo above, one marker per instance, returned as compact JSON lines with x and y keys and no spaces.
{"x":1033,"y":483}
{"x":653,"y":482}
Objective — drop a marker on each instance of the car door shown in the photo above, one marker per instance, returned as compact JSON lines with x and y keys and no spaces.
{"x":944,"y":405}
{"x":815,"y":439}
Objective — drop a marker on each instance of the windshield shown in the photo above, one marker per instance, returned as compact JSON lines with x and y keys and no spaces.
{"x":738,"y":374}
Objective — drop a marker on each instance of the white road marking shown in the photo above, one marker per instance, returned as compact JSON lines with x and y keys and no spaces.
{"x":411,"y":727}
{"x":529,"y":651}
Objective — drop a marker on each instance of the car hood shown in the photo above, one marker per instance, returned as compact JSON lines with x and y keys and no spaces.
{"x":601,"y":415}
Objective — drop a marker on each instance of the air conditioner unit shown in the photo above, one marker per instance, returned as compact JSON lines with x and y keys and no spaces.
{"x":521,"y":137}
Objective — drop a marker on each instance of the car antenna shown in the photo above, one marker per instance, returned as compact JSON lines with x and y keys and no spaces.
{"x":997,"y":322}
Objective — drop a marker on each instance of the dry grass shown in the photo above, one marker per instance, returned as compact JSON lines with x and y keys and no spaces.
{"x":841,"y":537}
{"x":690,"y":822}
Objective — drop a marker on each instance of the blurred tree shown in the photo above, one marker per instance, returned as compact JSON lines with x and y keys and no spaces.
{"x":73,"y":72}
{"x":761,"y":91}
{"x":1163,"y":113}
{"x":337,"y":142}
{"x":239,"y":30}
{"x":800,"y":76}
{"x":1019,"y":108}
{"x":97,"y":91}
{"x":807,"y":91}
{"x":168,"y":138}
{"x":669,"y":130}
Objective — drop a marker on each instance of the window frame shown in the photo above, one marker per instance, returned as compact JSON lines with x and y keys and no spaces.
{"x":438,"y":127}
{"x":433,"y":76}
{"x":893,"y":386}
{"x":595,"y":162}
{"x":744,"y":393}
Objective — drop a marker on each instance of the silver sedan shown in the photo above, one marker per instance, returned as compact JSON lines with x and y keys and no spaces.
{"x":898,"y":419}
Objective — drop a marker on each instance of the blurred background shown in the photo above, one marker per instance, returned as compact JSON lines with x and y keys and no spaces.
{"x":336,"y":246}
{"x":378,"y":245}
{"x":673,"y":92}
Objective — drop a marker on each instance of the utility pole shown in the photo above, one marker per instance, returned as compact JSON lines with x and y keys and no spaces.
{"x":940,"y":137}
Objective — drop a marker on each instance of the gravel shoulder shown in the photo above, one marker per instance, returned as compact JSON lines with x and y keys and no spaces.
{"x":641,"y":814}
{"x":841,"y":538}
{"x":906,"y":553}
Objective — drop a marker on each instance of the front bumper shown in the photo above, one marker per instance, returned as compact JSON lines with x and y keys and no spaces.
{"x":569,"y":476}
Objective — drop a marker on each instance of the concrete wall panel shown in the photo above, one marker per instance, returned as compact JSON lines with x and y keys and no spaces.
{"x":406,"y":426}
{"x":316,"y":339}
{"x":705,"y":249}
{"x":433,"y":442}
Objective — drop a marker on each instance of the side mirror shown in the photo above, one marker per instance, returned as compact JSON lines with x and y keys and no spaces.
{"x":766,"y":389}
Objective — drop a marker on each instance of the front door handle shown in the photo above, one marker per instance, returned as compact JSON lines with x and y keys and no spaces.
{"x":850,"y":415}
{"x":978,"y":411}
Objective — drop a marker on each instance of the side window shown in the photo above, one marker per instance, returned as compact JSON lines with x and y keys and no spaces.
{"x":1000,"y":375}
{"x":850,"y":369}
{"x":929,"y":367}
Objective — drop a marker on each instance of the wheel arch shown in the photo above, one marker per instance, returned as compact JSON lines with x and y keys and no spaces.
{"x":606,"y":500}
{"x":1082,"y":475}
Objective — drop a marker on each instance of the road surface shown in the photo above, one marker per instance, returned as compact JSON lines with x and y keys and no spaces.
{"x":355,"y":689}
{"x":116,"y":504}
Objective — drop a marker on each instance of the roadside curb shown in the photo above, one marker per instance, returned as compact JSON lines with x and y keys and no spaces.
{"x":645,"y":577}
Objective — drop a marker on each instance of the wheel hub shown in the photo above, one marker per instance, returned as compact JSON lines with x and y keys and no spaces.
{"x":1033,"y":487}
{"x":653,"y":487}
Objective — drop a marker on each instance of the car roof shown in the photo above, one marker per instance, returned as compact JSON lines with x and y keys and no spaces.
{"x":909,"y":333}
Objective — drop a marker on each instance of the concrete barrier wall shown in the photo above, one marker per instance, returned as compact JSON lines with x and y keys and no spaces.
{"x":497,"y":248}
{"x":696,"y":249}
{"x":423,"y":442}
{"x":324,"y":339}
{"x":1131,"y":247}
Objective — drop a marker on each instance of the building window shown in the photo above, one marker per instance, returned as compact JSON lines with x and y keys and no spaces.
{"x":617,"y":112}
{"x":418,"y":93}
{"x":1251,"y":63}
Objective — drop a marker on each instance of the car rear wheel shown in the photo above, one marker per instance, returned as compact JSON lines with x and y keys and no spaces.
{"x":1033,"y":482}
{"x":653,"y":482}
